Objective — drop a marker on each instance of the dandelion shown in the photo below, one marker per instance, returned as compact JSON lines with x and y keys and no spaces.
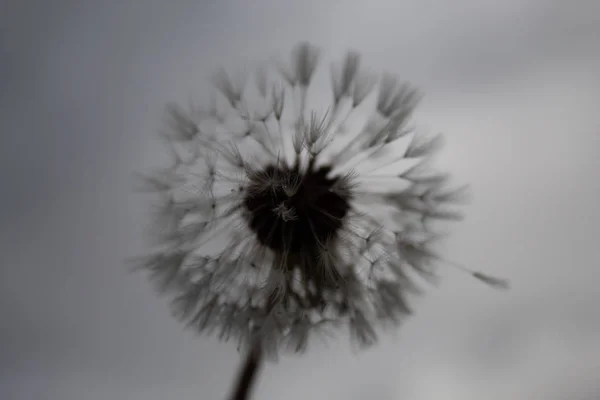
{"x":278,"y":222}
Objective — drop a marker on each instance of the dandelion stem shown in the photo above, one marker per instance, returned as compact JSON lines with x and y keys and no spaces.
{"x":248,"y":373}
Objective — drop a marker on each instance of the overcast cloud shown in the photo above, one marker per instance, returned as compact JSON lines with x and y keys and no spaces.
{"x":515,"y":87}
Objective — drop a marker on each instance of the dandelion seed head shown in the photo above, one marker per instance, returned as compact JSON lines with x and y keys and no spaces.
{"x":283,"y":221}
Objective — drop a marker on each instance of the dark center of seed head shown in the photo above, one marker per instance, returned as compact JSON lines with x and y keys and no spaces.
{"x":295,"y":212}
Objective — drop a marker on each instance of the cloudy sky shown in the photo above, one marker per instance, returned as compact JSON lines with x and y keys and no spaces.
{"x":513,"y":84}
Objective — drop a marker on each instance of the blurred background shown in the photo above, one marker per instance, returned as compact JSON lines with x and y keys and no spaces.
{"x":515,"y":87}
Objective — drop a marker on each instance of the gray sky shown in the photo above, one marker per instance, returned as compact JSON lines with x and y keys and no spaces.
{"x":513,"y":84}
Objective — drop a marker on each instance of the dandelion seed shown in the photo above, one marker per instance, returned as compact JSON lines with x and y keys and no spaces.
{"x":363,"y":85}
{"x":343,"y":78}
{"x":492,"y":281}
{"x":421,"y":146}
{"x":231,"y":90}
{"x":286,"y":226}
